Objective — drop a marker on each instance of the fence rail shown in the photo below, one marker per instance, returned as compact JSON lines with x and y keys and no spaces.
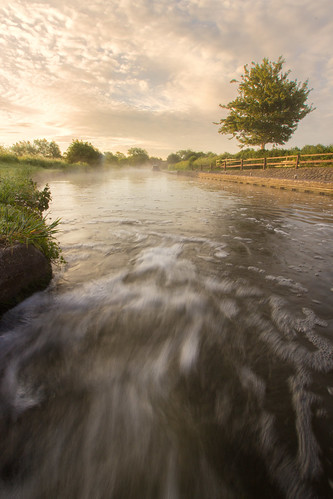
{"x":295,"y":161}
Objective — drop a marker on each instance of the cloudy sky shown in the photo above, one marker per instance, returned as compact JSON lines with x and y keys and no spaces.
{"x":151,"y":74}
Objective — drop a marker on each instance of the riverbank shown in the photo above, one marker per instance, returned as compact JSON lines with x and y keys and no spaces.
{"x":316,"y":180}
{"x":27,"y":243}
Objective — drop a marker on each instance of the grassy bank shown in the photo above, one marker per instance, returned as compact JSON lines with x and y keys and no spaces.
{"x":22,"y":206}
{"x":39,"y":161}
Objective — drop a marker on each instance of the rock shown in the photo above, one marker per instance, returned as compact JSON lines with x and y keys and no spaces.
{"x":23,"y":270}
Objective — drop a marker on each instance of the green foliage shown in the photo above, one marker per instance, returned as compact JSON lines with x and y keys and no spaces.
{"x":318,"y":149}
{"x":181,"y":165}
{"x":205,"y":161}
{"x":191,"y":159}
{"x":118,"y":159}
{"x":110,"y":158}
{"x":137,"y":156}
{"x":47,"y":149}
{"x":8,"y":157}
{"x":23,"y":192}
{"x":24,"y":147}
{"x":186,"y":154}
{"x":209,"y":159}
{"x":84,"y":152}
{"x":173,"y":158}
{"x":26,"y":162}
{"x":21,"y":220}
{"x":42,"y":162}
{"x":39,"y":147}
{"x":121,"y":158}
{"x":154,"y":160}
{"x":20,"y":226}
{"x":268,"y":108}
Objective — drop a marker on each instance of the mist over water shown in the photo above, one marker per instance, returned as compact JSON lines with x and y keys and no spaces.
{"x":185,"y":351}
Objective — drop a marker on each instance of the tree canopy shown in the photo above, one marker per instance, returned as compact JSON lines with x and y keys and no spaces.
{"x":269,"y":106}
{"x":137,"y":156}
{"x":173,"y":158}
{"x":79,"y":151}
{"x":39,"y":147}
{"x":47,"y":149}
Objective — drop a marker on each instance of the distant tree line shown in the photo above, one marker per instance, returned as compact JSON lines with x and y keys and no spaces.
{"x":77,"y":152}
{"x":135,"y":157}
{"x":41,"y":150}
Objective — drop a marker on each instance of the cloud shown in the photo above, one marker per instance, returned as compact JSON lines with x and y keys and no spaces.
{"x":152,"y":73}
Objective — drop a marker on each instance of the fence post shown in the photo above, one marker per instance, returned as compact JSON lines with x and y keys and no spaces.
{"x":264,"y":166}
{"x":297,"y":161}
{"x":211,"y":166}
{"x":225,"y":164}
{"x":242,"y":163}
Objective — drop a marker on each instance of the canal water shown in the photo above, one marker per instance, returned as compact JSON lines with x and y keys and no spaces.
{"x":184,"y":351}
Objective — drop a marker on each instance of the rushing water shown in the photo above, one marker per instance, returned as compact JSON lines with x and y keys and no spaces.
{"x":185,"y":350}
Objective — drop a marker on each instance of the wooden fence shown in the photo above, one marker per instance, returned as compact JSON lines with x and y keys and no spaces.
{"x":295,"y":161}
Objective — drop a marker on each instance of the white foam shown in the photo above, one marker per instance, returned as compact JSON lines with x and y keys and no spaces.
{"x":190,"y":347}
{"x":158,"y":257}
{"x":289,"y":283}
{"x":256,"y":269}
{"x":221,"y":254}
{"x":229,"y":308}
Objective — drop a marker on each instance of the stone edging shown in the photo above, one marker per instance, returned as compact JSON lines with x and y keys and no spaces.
{"x":274,"y":183}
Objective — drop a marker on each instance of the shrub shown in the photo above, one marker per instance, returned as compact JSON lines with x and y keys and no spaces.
{"x":84,"y":152}
{"x":8,"y":157}
{"x":182,"y":165}
{"x":23,"y":192}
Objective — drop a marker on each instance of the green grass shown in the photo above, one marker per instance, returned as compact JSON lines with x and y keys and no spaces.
{"x":182,"y":165}
{"x":21,"y":218}
{"x":21,"y":226}
{"x":16,"y":170}
{"x":26,"y":161}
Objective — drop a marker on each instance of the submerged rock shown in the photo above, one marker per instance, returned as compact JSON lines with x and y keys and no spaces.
{"x":23,"y":270}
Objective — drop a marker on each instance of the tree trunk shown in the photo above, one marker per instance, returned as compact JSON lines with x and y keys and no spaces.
{"x":262,"y":146}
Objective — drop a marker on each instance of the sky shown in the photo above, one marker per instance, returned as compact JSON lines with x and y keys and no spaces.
{"x":151,"y":74}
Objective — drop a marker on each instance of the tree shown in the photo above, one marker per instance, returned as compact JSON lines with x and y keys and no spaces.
{"x":47,"y":149}
{"x":24,"y":148}
{"x":137,"y":156}
{"x":79,"y":151}
{"x":39,"y":147}
{"x":268,"y":107}
{"x":111,"y":158}
{"x":121,"y":157}
{"x":186,"y":154}
{"x":173,"y":158}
